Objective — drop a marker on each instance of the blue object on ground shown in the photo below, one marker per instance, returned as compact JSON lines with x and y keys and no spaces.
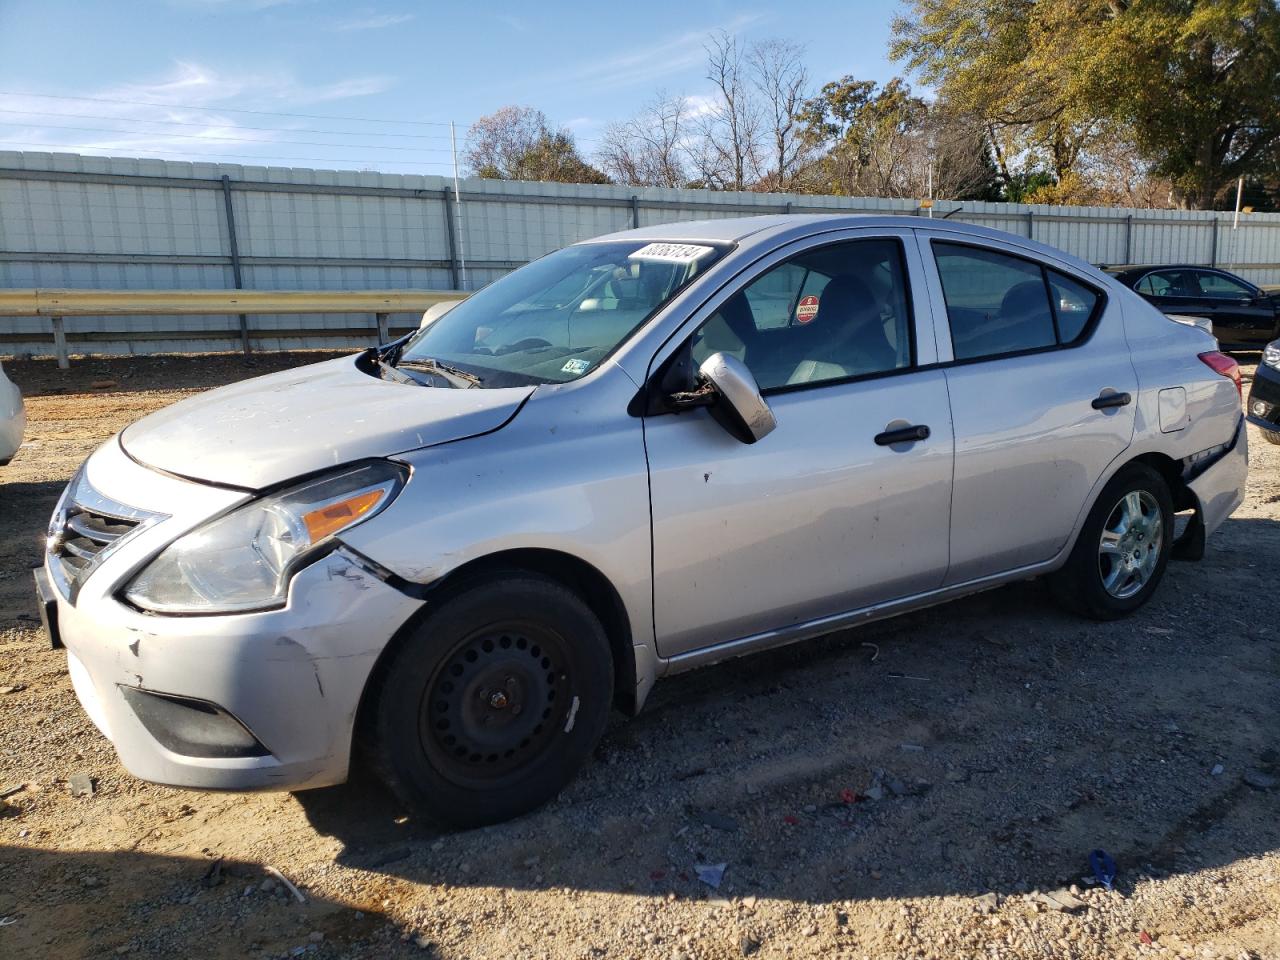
{"x":1104,"y":868}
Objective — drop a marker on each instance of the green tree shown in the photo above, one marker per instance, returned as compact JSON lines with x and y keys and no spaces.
{"x":865,"y":133}
{"x":1193,"y":84}
{"x":888,"y":142}
{"x":516,"y":143}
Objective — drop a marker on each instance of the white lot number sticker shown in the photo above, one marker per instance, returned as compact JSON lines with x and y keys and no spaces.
{"x":671,"y":252}
{"x":576,"y":366}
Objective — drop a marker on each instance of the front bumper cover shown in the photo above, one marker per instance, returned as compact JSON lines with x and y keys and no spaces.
{"x":292,"y":678}
{"x":1264,"y":398}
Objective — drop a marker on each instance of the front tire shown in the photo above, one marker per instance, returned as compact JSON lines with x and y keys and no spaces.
{"x":1271,"y":436}
{"x":1122,"y":549}
{"x":493,"y":702}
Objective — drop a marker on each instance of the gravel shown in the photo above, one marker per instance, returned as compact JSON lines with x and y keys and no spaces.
{"x":1042,"y":737}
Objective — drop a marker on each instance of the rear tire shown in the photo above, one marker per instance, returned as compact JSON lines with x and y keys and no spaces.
{"x":493,"y":702}
{"x":1122,"y":549}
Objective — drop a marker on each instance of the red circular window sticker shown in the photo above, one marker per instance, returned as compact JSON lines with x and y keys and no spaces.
{"x":806,"y":309}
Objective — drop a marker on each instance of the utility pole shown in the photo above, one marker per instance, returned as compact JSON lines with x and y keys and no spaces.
{"x":1235,"y":223}
{"x":457,"y":206}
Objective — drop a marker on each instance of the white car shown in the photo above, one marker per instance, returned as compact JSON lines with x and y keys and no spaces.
{"x":13,"y":419}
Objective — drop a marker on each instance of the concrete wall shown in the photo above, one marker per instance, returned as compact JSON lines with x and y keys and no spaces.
{"x":72,"y":221}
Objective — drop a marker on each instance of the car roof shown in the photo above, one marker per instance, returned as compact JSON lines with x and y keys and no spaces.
{"x":1129,"y":268}
{"x":782,"y":228}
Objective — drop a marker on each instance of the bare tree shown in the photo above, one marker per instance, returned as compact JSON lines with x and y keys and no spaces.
{"x":727,"y":155}
{"x":648,"y":150}
{"x":498,"y":143}
{"x":953,"y":156}
{"x":516,"y":143}
{"x":780,"y":78}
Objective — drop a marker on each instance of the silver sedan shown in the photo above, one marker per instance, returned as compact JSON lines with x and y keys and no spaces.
{"x":634,"y":456}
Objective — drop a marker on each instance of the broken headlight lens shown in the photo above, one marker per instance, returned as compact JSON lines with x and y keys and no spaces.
{"x":244,"y":559}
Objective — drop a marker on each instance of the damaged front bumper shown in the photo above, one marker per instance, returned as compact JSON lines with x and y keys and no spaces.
{"x":245,"y":701}
{"x":239,"y":702}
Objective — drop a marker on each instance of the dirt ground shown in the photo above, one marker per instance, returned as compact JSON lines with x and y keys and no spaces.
{"x":1014,"y":739}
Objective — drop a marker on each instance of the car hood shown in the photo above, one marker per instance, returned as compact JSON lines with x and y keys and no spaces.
{"x":271,"y":429}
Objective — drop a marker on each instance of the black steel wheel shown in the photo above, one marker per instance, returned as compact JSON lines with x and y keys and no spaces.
{"x":491,"y":703}
{"x":495,"y":703}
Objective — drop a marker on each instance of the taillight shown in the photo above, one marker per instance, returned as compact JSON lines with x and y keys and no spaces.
{"x":1224,"y":366}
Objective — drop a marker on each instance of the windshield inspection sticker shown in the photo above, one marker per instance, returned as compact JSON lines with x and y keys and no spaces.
{"x":671,"y":252}
{"x":806,"y":309}
{"x":576,"y":366}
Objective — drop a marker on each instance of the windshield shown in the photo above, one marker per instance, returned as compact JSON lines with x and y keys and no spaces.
{"x":556,"y":318}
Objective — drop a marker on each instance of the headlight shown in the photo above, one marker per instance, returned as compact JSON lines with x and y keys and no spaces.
{"x":1271,"y":354}
{"x":243,"y":560}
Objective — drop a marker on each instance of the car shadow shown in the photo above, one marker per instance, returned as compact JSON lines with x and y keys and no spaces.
{"x":987,"y":745}
{"x":57,"y":904}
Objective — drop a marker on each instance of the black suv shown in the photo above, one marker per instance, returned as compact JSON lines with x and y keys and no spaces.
{"x":1242,"y":314}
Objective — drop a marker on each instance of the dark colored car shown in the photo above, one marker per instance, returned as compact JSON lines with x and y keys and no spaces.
{"x":1264,"y":395}
{"x":1242,"y":314}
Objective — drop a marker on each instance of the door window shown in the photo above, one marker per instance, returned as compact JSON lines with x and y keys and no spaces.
{"x":1219,"y":287}
{"x":999,"y":304}
{"x":1170,"y":283}
{"x":829,"y":314}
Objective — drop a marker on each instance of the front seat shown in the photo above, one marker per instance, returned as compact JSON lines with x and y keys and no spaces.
{"x":846,"y":337}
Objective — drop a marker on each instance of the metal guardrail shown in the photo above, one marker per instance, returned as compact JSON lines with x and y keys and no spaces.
{"x":58,"y":304}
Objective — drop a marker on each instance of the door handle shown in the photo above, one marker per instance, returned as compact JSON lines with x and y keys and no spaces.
{"x":1108,"y":400}
{"x":902,"y":435}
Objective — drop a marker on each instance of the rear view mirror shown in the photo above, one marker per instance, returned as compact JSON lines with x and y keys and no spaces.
{"x":740,"y":408}
{"x":436,"y":311}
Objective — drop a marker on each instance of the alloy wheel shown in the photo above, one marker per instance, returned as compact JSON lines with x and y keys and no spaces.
{"x":1131,"y":542}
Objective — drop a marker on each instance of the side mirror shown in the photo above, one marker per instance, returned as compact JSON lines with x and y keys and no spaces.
{"x":436,"y":311}
{"x":740,"y":408}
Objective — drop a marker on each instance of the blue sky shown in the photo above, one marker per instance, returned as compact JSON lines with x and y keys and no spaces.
{"x":207,"y":79}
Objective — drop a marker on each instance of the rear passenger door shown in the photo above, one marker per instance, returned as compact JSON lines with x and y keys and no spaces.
{"x":1028,"y":349}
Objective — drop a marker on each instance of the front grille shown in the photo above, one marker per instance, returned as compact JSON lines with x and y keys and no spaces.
{"x":85,"y":528}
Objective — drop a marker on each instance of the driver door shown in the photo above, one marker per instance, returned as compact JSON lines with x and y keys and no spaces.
{"x":821,"y":516}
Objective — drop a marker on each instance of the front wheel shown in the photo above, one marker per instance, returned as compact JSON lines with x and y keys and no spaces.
{"x":493,"y":702}
{"x":1271,"y":436}
{"x":1122,"y":549}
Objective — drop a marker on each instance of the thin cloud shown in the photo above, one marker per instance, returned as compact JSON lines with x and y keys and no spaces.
{"x":207,"y":131}
{"x":514,"y":22}
{"x":657,"y":61}
{"x":246,"y":5}
{"x":372,"y":22}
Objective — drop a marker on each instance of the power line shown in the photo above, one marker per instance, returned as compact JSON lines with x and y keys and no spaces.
{"x":54,"y":147}
{"x":260,"y":113}
{"x":194,"y":123}
{"x":216,"y":139}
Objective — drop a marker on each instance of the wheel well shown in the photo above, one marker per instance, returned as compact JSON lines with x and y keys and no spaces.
{"x":582,"y":578}
{"x":1171,"y":470}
